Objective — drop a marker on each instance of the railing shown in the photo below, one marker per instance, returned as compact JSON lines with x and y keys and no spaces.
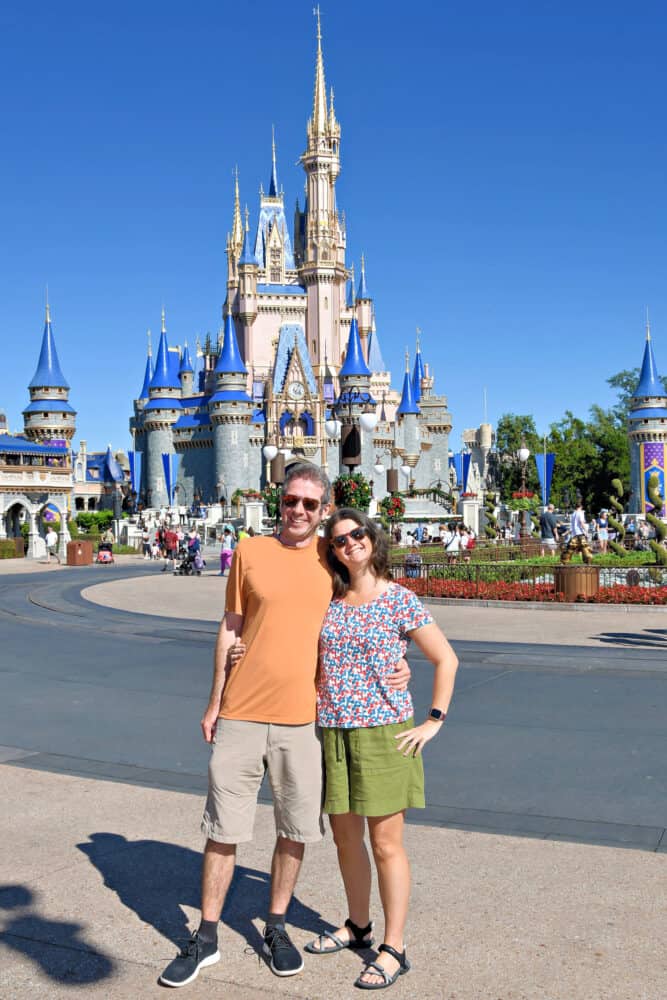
{"x":509,"y":581}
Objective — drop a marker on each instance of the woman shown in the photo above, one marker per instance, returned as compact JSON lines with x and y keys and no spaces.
{"x":372,"y":748}
{"x":603,"y":530}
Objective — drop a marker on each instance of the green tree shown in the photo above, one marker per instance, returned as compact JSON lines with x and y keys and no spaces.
{"x":576,"y":461}
{"x":512,"y":431}
{"x":609,"y":434}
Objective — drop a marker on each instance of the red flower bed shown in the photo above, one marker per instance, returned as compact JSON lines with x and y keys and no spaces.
{"x":544,"y":592}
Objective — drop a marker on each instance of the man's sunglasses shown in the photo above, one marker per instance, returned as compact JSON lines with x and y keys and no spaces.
{"x":338,"y":541}
{"x":309,"y":503}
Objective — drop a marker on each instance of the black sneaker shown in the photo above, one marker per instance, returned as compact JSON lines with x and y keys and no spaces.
{"x":195,"y":956}
{"x":285,"y":960}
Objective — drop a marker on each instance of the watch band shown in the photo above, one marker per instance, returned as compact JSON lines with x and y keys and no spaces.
{"x":437,"y":715}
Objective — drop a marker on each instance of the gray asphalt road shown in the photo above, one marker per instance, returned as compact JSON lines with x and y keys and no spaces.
{"x":546,"y":741}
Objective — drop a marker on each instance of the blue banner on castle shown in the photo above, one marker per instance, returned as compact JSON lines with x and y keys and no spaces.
{"x":170,"y":465}
{"x":545,"y":471}
{"x":135,"y":470}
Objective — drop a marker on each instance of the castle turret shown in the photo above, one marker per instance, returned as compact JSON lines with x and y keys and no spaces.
{"x":247,"y":300}
{"x":323,"y":269}
{"x":355,"y":400}
{"x":418,"y":373}
{"x":364,"y":309}
{"x":230,"y":407}
{"x":159,"y":415}
{"x":186,"y":372}
{"x":49,"y":417}
{"x":647,"y":430}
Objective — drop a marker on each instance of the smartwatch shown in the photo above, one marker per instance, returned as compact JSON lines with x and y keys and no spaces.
{"x":437,"y":715}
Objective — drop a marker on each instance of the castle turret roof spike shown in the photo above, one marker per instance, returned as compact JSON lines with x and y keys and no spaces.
{"x":49,"y":373}
{"x":273,"y":185}
{"x":319,"y":119}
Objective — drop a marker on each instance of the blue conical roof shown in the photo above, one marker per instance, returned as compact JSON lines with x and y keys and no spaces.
{"x":164,"y":376}
{"x":229,"y":360}
{"x":355,"y":363}
{"x":649,"y":380}
{"x":48,"y":373}
{"x":273,"y":183}
{"x":417,"y":376}
{"x":148,"y":375}
{"x":362,"y":290}
{"x":115,"y":471}
{"x":186,"y":363}
{"x":349,"y":300}
{"x":375,"y":359}
{"x":247,"y":256}
{"x":407,"y":404}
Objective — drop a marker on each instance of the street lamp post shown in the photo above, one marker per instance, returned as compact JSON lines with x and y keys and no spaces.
{"x":523,"y":454}
{"x":348,"y":428}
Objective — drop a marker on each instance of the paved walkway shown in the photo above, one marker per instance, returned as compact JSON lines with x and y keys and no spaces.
{"x":99,"y":878}
{"x":202,"y":599}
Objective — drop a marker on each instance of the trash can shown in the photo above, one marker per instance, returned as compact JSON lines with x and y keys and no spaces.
{"x":575,"y":582}
{"x":79,"y":553}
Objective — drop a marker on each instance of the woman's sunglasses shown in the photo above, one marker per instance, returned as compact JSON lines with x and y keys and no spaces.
{"x":309,"y":504}
{"x":338,"y":541}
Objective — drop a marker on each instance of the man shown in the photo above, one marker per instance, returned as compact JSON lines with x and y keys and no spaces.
{"x":578,"y":537}
{"x":260,"y":715}
{"x":51,"y":544}
{"x":171,"y":547}
{"x":548,"y":530}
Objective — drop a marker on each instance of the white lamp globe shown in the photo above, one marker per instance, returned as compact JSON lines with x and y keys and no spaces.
{"x":405,"y":469}
{"x":269,"y":451}
{"x":333,"y":428}
{"x":523,"y":454}
{"x":368,"y":420}
{"x":379,"y":468}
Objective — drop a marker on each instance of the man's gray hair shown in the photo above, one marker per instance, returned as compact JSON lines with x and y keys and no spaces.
{"x":304,"y":470}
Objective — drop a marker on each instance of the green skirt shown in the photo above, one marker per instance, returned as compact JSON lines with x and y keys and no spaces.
{"x":366,"y":774}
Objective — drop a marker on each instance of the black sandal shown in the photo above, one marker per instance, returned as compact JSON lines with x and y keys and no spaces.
{"x":361,"y":938}
{"x":404,"y":966}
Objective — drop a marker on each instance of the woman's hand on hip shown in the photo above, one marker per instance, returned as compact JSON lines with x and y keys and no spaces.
{"x":412,"y":741}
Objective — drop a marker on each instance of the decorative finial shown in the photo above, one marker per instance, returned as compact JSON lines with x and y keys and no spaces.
{"x":316,"y":13}
{"x":150,"y":347}
{"x":164,"y":321}
{"x":247,"y":216}
{"x":407,"y":360}
{"x":648,"y":328}
{"x":419,"y":333}
{"x":363,"y":266}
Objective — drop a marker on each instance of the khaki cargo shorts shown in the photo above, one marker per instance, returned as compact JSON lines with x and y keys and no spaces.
{"x":242,"y":753}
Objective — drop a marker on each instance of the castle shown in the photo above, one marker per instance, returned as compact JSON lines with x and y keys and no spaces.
{"x":647,"y":432}
{"x":298,"y":369}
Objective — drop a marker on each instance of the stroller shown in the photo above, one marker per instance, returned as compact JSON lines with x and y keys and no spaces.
{"x":191,"y":565}
{"x":104,"y":553}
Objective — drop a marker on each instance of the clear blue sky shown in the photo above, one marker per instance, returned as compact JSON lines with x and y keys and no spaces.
{"x":503,"y":172}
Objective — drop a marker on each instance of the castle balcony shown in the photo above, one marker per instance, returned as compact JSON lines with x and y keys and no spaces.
{"x":26,"y":477}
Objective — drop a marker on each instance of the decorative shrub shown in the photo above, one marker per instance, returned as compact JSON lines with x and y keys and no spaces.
{"x":392,"y":507}
{"x":271,"y":497}
{"x":352,"y":491}
{"x":543,"y":592}
{"x":8,"y":549}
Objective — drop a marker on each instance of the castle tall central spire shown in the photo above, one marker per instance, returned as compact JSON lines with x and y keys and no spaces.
{"x":319,"y":119}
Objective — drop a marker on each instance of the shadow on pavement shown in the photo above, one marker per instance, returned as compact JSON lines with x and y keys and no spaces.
{"x":649,"y":638}
{"x":156,"y":880}
{"x":57,"y":946}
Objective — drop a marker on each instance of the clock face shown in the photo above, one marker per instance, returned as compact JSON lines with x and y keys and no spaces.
{"x":296,"y":390}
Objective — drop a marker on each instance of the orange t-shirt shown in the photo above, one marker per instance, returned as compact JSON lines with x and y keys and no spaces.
{"x":283,"y":594}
